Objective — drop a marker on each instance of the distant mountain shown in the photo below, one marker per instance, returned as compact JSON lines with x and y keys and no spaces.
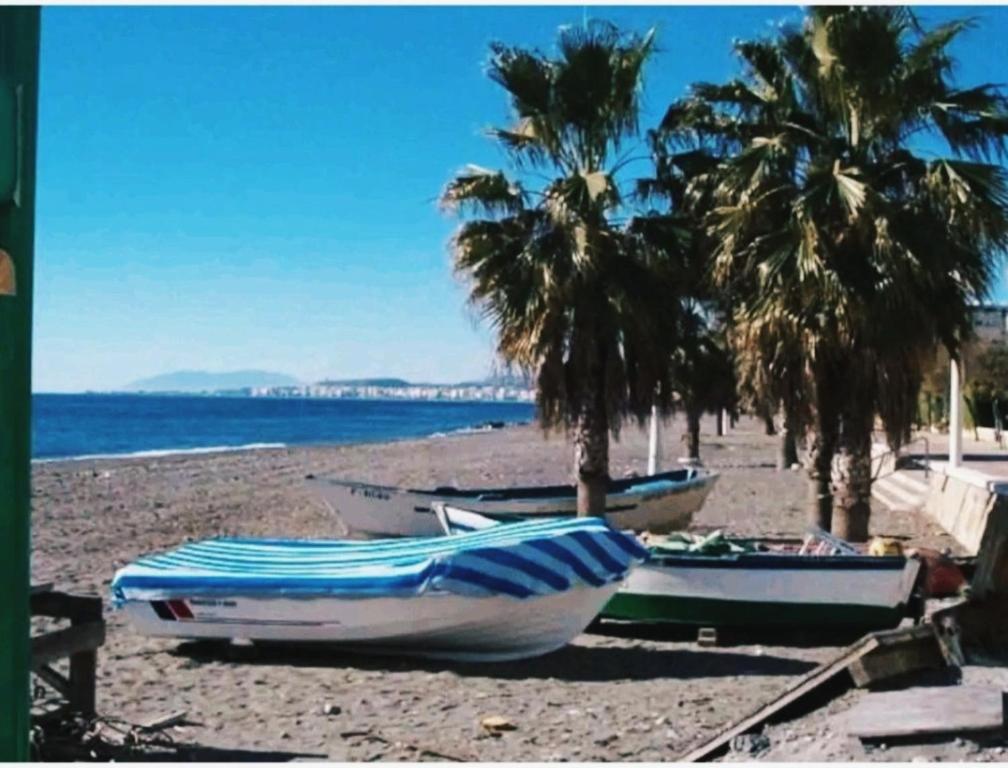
{"x":204,"y":381}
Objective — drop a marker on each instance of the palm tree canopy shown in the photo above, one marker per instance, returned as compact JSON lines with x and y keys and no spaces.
{"x":575,"y":297}
{"x":832,"y":219}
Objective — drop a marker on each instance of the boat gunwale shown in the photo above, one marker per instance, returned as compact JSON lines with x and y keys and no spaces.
{"x":777,"y":560}
{"x":619,"y":486}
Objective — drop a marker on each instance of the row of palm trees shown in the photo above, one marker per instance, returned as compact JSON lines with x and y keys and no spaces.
{"x":809,"y":234}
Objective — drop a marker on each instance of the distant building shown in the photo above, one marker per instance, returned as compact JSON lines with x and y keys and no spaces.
{"x":990,"y":321}
{"x":401,"y":391}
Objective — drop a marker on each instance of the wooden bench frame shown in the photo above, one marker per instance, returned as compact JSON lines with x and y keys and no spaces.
{"x":80,"y":642}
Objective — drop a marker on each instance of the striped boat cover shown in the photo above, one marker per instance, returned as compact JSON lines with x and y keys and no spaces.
{"x":520,"y":560}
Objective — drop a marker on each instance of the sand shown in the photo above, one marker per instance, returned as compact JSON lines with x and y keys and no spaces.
{"x":604,"y":697}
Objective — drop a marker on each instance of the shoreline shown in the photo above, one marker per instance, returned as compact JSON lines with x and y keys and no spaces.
{"x":211,"y":450}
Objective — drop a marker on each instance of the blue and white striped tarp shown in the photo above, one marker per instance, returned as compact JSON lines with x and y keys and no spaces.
{"x":520,"y":560}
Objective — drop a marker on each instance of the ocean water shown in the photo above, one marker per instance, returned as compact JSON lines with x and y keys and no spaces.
{"x":65,"y":426}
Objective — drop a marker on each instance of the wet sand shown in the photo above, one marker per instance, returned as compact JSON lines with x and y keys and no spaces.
{"x":604,"y":697}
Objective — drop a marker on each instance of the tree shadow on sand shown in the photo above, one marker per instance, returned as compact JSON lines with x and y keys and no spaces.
{"x":574,"y":663}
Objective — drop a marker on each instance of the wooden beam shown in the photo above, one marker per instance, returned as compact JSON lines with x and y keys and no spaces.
{"x":55,"y":679}
{"x":913,"y":651}
{"x":83,"y":679}
{"x":72,"y":640}
{"x":60,"y":605}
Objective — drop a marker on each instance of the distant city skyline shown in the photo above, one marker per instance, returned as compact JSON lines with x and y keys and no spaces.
{"x":254,"y":188}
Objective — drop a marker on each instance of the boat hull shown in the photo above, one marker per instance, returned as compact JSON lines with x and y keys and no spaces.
{"x":373,"y":511}
{"x":768,"y":590}
{"x":434,"y":625}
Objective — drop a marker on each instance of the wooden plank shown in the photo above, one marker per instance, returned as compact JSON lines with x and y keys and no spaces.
{"x":913,"y":651}
{"x":45,"y":586}
{"x":63,"y":606}
{"x":55,"y":679}
{"x":67,"y":642}
{"x":926,"y":711}
{"x":806,"y":685}
{"x":817,"y":677}
{"x":164,"y":721}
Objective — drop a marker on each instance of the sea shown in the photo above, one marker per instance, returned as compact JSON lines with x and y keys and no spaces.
{"x":105,"y":425}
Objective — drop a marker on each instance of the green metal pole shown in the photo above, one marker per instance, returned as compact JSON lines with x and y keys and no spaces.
{"x":19,"y":53}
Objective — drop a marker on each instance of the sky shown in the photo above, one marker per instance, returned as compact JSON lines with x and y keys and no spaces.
{"x":232,"y":188}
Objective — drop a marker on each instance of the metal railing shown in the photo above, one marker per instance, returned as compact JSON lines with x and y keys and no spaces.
{"x":897,"y":453}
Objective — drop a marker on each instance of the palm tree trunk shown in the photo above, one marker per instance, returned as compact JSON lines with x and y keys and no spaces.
{"x":768,"y":423}
{"x":821,"y":447}
{"x":788,"y":455}
{"x":591,"y":456}
{"x":820,"y":468}
{"x":852,"y":494}
{"x":693,"y":433}
{"x":591,"y":445}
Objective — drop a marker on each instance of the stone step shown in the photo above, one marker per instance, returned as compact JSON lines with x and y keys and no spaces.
{"x":901,"y":490}
{"x":892,"y":502}
{"x":909,"y":482}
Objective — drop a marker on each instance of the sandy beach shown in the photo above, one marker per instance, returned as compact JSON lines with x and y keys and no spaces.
{"x":605,"y":697}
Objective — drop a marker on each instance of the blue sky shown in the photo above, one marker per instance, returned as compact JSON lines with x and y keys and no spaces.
{"x":225,"y":188}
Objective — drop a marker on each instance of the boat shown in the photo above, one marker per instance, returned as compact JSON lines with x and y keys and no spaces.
{"x":502,"y":593}
{"x":658,"y":503}
{"x":716,"y":581}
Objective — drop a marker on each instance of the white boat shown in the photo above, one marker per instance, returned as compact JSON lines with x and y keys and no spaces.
{"x":767,"y":588}
{"x":509,"y":592}
{"x":657,"y":503}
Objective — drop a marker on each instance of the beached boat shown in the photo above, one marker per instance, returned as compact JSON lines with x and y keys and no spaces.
{"x":502,"y":593}
{"x":658,"y":503}
{"x":724,"y":582}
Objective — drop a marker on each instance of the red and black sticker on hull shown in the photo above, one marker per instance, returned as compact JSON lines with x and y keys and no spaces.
{"x":172,"y":610}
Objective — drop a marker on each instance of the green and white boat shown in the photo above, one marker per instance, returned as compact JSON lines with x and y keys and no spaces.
{"x":719,"y":582}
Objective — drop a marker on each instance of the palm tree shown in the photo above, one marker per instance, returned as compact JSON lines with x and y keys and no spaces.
{"x":700,"y":367}
{"x":575,"y":298}
{"x":703,"y":374}
{"x":858,"y":242}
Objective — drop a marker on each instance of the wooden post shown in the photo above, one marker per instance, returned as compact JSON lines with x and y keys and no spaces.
{"x":955,"y":416}
{"x":19,"y":45}
{"x":655,"y":443}
{"x":83,"y":679}
{"x":80,"y":641}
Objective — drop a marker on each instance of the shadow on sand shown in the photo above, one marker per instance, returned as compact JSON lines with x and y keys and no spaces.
{"x":575,"y":663}
{"x":194,"y":753}
{"x":66,"y":737}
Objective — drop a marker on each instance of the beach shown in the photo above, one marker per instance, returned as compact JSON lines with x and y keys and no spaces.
{"x":607,"y":696}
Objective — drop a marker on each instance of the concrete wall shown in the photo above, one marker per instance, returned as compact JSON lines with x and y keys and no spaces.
{"x":974,"y":510}
{"x":960,"y":505}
